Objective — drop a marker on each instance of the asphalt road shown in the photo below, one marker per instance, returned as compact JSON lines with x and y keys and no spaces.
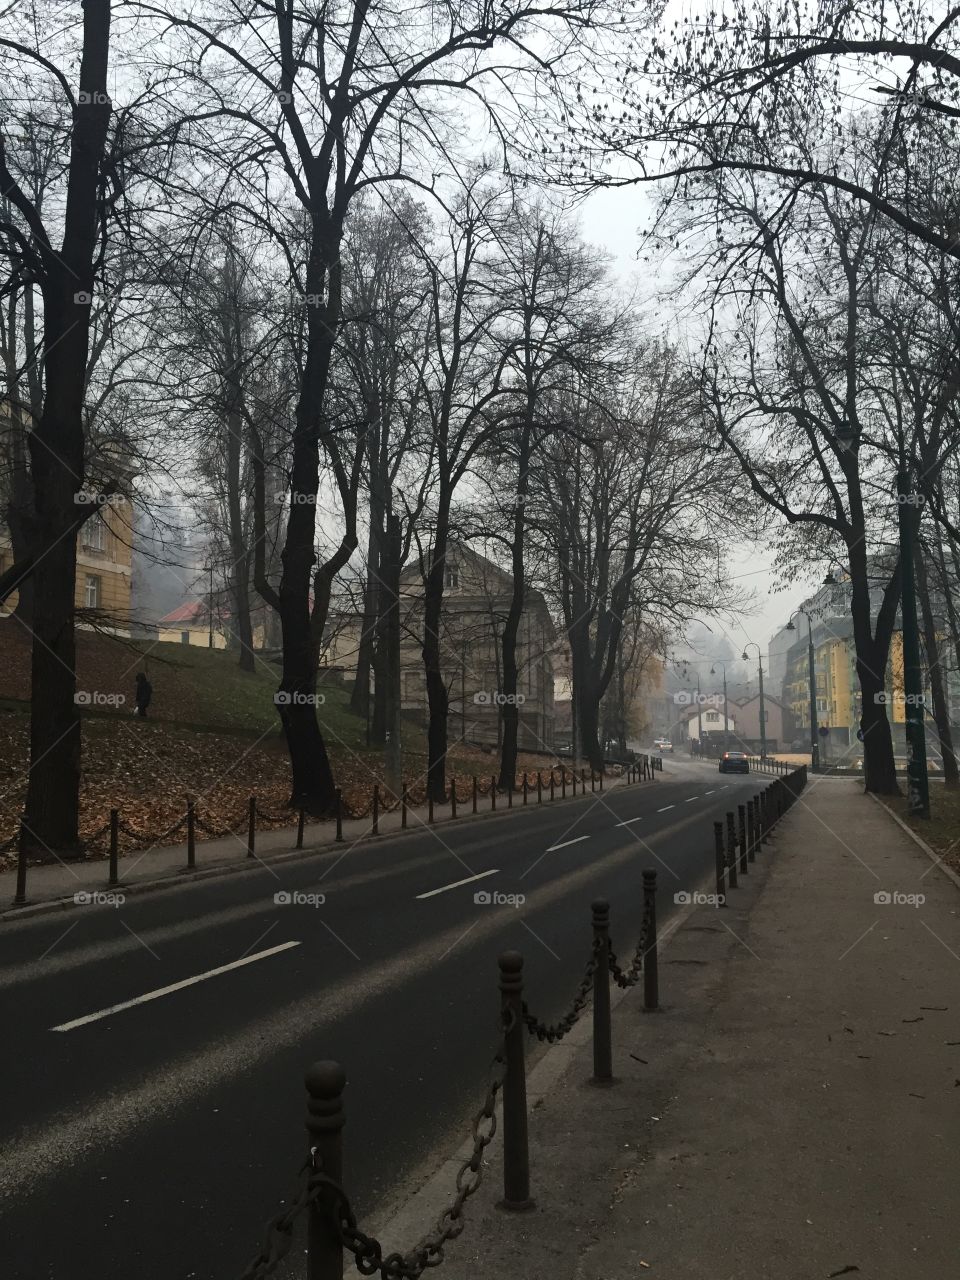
{"x":153,"y":1140}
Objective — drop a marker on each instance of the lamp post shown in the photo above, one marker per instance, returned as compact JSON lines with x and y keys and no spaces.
{"x":210,"y":608}
{"x":726,"y":718}
{"x":763,"y":714}
{"x":811,"y":668}
{"x":699,"y":717}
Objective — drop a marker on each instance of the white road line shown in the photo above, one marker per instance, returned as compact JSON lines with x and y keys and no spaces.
{"x":708,"y":793}
{"x":432,"y":893}
{"x":629,"y":820}
{"x":666,"y":807}
{"x":691,"y":800}
{"x":174,"y":986}
{"x":566,"y":843}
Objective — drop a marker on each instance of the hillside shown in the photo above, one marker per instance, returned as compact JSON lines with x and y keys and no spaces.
{"x":212,"y":732}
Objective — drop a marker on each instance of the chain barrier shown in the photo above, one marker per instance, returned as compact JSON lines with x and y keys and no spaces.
{"x":275,"y":817}
{"x":631,"y":976}
{"x":96,"y":835}
{"x":552,"y":1032}
{"x":134,"y":834}
{"x":367,"y":1250}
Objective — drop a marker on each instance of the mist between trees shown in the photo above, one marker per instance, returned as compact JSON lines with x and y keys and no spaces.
{"x":318,"y":275}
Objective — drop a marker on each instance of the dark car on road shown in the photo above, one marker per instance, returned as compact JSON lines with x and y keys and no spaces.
{"x":734,"y":762}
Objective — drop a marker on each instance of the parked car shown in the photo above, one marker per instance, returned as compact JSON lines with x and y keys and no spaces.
{"x":734,"y":762}
{"x":662,"y":744}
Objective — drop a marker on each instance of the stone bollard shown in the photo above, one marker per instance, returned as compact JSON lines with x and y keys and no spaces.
{"x":516,"y":1153}
{"x":602,"y":1047}
{"x":192,"y":835}
{"x":251,"y":827}
{"x":721,"y":864}
{"x":651,"y":974}
{"x":325,"y":1083}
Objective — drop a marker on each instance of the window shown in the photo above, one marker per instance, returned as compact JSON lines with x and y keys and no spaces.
{"x":184,"y":637}
{"x":452,"y":579}
{"x":91,"y":597}
{"x":94,"y":535}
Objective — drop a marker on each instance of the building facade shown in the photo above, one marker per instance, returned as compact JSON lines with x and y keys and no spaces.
{"x":104,"y":548}
{"x":476,"y":600}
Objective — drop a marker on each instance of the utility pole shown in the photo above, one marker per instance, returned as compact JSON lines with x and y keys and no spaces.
{"x":210,"y":609}
{"x":699,"y":717}
{"x":763,"y":713}
{"x":918,"y":783}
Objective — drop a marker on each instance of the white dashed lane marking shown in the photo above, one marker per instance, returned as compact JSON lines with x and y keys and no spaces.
{"x":432,"y":893}
{"x":174,"y":986}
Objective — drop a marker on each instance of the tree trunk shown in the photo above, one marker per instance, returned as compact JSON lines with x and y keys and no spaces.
{"x":242,"y":626}
{"x":879,"y":765}
{"x":941,"y":711}
{"x":312,"y":781}
{"x":360,"y":696}
{"x":509,"y":708}
{"x":388,"y":648}
{"x":50,"y":821}
{"x":437,"y":701}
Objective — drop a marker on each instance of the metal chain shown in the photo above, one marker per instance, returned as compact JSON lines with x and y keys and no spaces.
{"x":143,"y":835}
{"x":276,"y":817}
{"x":556,"y":1031}
{"x":632,"y":975}
{"x":367,"y":1251}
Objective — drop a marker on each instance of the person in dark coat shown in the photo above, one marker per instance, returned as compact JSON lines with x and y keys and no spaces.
{"x":142,"y":696}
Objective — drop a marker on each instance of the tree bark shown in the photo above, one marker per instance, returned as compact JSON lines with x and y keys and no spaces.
{"x":49,"y":827}
{"x":872,"y":652}
{"x":941,"y":710}
{"x":510,"y":711}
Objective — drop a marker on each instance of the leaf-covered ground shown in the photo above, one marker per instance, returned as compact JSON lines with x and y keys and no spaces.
{"x":147,"y":768}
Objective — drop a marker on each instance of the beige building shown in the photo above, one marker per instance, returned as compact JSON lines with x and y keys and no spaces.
{"x":476,"y":599}
{"x":103,"y":566}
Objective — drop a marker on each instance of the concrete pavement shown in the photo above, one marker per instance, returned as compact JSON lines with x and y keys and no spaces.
{"x":793,"y":1111}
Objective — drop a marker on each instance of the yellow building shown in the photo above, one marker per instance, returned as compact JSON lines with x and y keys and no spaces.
{"x":104,"y":554}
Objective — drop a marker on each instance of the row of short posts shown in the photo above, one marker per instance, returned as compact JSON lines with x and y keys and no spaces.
{"x":325,"y":1081}
{"x":745,"y":835}
{"x":637,"y":772}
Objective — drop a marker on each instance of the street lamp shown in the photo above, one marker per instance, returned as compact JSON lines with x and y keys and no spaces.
{"x":726,"y":718}
{"x":763,"y":715}
{"x":814,"y":728}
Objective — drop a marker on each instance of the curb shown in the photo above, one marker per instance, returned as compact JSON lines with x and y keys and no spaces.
{"x":931,"y":853}
{"x":180,"y":878}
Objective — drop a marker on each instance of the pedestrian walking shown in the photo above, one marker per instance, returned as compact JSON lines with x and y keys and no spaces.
{"x":143,"y":695}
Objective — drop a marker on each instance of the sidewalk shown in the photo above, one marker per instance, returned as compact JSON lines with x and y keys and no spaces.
{"x":53,"y":885}
{"x":792,"y":1113}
